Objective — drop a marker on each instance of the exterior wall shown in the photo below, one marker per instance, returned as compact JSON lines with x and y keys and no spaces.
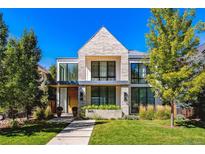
{"x":102,"y":44}
{"x":64,"y":60}
{"x":124,"y":103}
{"x":88,"y":60}
{"x":105,"y":47}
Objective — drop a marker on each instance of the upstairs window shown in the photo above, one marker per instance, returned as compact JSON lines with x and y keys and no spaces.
{"x":138,"y":73}
{"x":68,"y":71}
{"x":103,"y":70}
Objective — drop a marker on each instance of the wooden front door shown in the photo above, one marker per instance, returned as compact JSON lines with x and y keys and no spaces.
{"x":72,"y":98}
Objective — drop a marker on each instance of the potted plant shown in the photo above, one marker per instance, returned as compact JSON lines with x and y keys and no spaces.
{"x":75,"y":111}
{"x":59,"y":111}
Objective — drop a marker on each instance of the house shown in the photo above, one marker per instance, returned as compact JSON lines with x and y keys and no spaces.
{"x":105,"y":72}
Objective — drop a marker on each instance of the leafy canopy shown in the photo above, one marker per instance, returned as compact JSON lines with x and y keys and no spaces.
{"x":172,"y":42}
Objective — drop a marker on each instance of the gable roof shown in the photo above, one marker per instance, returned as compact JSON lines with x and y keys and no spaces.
{"x":102,"y":39}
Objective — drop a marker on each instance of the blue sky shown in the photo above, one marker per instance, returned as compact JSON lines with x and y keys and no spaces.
{"x":61,"y":32}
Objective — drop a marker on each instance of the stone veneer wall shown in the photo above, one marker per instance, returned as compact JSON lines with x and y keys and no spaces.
{"x":105,"y":44}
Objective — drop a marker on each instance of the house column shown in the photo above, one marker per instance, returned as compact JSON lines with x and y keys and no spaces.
{"x":125,"y":100}
{"x":81,"y":97}
{"x":57,"y":97}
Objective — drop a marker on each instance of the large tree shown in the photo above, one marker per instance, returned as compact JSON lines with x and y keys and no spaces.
{"x":176,"y":75}
{"x":21,"y":73}
{"x":3,"y":42}
{"x":28,"y":73}
{"x":11,"y":92}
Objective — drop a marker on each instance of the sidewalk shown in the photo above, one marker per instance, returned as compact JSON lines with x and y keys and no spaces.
{"x":76,"y":133}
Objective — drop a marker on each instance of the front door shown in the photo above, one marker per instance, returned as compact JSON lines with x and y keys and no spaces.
{"x":72,"y":98}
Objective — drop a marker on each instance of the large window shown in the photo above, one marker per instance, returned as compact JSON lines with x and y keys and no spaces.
{"x":103,"y":70}
{"x":101,"y":95}
{"x":138,"y":73}
{"x":141,"y":96}
{"x":68,"y":71}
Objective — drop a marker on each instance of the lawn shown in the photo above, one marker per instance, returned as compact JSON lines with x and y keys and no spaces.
{"x":146,"y":132}
{"x":37,"y":133}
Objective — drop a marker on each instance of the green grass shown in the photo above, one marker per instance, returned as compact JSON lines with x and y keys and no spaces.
{"x":38,"y":133}
{"x":146,"y":132}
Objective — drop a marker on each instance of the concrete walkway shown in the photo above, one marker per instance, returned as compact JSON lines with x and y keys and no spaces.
{"x":76,"y":133}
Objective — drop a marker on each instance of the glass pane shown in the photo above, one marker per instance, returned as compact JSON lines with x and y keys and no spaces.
{"x":94,"y":70}
{"x":150,"y":96}
{"x":72,"y":72}
{"x":111,"y":69}
{"x":63,"y":99}
{"x":103,"y":69}
{"x":95,"y":95}
{"x":103,"y":95}
{"x":63,"y":71}
{"x":134,"y":73}
{"x":142,"y":99}
{"x":111,"y":95}
{"x":134,"y":100}
{"x":142,"y":73}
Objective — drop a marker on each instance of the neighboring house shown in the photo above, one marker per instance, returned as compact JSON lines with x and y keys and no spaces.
{"x":44,"y":76}
{"x":105,"y":72}
{"x":45,"y":79}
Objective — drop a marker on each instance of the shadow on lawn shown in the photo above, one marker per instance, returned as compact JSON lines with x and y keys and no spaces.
{"x":191,"y":124}
{"x":30,"y":129}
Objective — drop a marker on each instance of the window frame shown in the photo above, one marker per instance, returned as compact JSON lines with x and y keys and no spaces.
{"x":138,"y":98}
{"x":65,"y":72}
{"x":107,"y":95}
{"x":135,"y":79}
{"x":102,"y":78}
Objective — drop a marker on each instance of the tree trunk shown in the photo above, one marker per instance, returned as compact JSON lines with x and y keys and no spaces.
{"x":172,"y":114}
{"x":27,"y":115}
{"x":27,"y":112}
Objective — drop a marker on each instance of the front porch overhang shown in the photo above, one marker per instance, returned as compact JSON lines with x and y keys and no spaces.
{"x":64,"y":84}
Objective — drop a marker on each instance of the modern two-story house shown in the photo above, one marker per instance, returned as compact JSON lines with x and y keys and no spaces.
{"x":105,"y":72}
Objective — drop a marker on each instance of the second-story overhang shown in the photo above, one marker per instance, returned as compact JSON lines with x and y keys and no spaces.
{"x":87,"y":83}
{"x":103,"y":83}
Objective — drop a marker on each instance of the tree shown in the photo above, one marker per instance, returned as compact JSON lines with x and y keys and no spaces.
{"x":28,"y":74}
{"x":3,"y":43}
{"x":175,"y":72}
{"x":52,"y":71}
{"x":11,"y":91}
{"x":52,"y":79}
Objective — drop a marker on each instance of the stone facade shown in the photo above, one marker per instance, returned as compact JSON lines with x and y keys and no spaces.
{"x":103,"y":44}
{"x":104,"y":114}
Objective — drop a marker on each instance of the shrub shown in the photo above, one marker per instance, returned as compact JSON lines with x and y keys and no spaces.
{"x":150,"y":113}
{"x":14,"y":124}
{"x":167,"y":111}
{"x":39,"y":114}
{"x":142,"y":112}
{"x":100,"y":107}
{"x":180,"y":119}
{"x":2,"y":110}
{"x":131,"y":117}
{"x":162,"y":112}
{"x":147,"y":112}
{"x":48,"y":113}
